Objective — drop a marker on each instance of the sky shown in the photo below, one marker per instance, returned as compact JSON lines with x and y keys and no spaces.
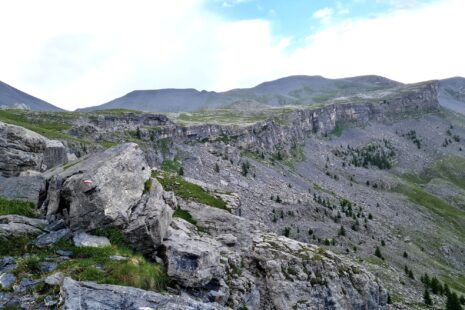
{"x":75,"y":54}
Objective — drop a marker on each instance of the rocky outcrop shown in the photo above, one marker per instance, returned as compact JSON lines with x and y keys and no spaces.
{"x":149,"y":220}
{"x":22,"y":150}
{"x":191,"y":260}
{"x":101,"y":189}
{"x":88,"y":295}
{"x":17,"y":225}
{"x":111,"y":188}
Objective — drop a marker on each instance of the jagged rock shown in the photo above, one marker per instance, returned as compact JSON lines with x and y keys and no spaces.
{"x":7,"y":263}
{"x":85,"y":240}
{"x":25,"y":284}
{"x":49,"y":301}
{"x":7,"y":280}
{"x":100,"y":190}
{"x":56,"y":225}
{"x":48,"y":266}
{"x":16,"y":225}
{"x":22,"y":187}
{"x":49,"y":239}
{"x":23,"y":150}
{"x":54,"y":279}
{"x":149,"y":220}
{"x":88,"y":295}
{"x":192,"y":260}
{"x":227,"y":239}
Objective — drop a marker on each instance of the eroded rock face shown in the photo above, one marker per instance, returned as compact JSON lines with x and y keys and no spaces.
{"x":88,"y":295}
{"x":100,"y":190}
{"x":191,"y":260}
{"x":22,"y":150}
{"x":149,"y":220}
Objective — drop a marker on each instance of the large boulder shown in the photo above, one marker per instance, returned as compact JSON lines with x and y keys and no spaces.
{"x":22,"y":150}
{"x":88,"y":295}
{"x":191,"y":259}
{"x":100,"y":190}
{"x":112,"y":189}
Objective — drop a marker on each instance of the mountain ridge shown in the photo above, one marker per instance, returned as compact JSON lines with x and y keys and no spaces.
{"x":11,"y":97}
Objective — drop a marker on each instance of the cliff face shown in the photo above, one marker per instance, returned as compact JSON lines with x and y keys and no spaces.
{"x":270,"y":133}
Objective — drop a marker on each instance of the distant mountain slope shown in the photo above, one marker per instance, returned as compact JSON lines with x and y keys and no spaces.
{"x":11,"y":97}
{"x":293,"y":90}
{"x":452,"y":94}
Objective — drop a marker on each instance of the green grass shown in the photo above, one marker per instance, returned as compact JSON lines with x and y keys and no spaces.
{"x":18,"y":207}
{"x":94,"y":264}
{"x":187,"y":190}
{"x":42,"y":123}
{"x":453,"y":216}
{"x":90,"y":264}
{"x":171,"y":166}
{"x":15,"y":246}
{"x":185,"y":215}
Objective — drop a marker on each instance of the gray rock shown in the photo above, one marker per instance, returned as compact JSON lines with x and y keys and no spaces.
{"x":191,"y":260}
{"x":88,"y":295}
{"x":83,"y":239}
{"x":25,"y":284}
{"x":50,"y":301}
{"x":118,"y":257}
{"x":54,"y":155}
{"x":7,"y":280}
{"x":149,"y":220}
{"x":17,"y":225}
{"x":100,"y":190}
{"x":6,"y":262}
{"x":48,"y":266}
{"x":49,"y":239}
{"x":64,"y":253}
{"x":54,"y":279}
{"x":24,"y":150}
{"x":22,"y":187}
{"x":56,"y":225}
{"x":227,"y":239}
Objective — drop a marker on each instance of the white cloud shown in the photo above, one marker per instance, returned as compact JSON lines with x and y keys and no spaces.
{"x":324,"y":13}
{"x":77,"y":54}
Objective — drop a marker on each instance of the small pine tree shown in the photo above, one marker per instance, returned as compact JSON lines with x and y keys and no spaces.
{"x":181,"y":171}
{"x":217,"y":168}
{"x":427,"y":298}
{"x":405,"y":254}
{"x":389,"y":299}
{"x":435,"y":286}
{"x":310,"y":231}
{"x":370,"y":216}
{"x":410,"y":274}
{"x":453,"y":302}
{"x":342,"y":231}
{"x":383,"y":243}
{"x":287,"y":231}
{"x":278,"y":200}
{"x":378,"y":253}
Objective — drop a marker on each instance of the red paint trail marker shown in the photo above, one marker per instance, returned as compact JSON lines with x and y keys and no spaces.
{"x":88,"y":182}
